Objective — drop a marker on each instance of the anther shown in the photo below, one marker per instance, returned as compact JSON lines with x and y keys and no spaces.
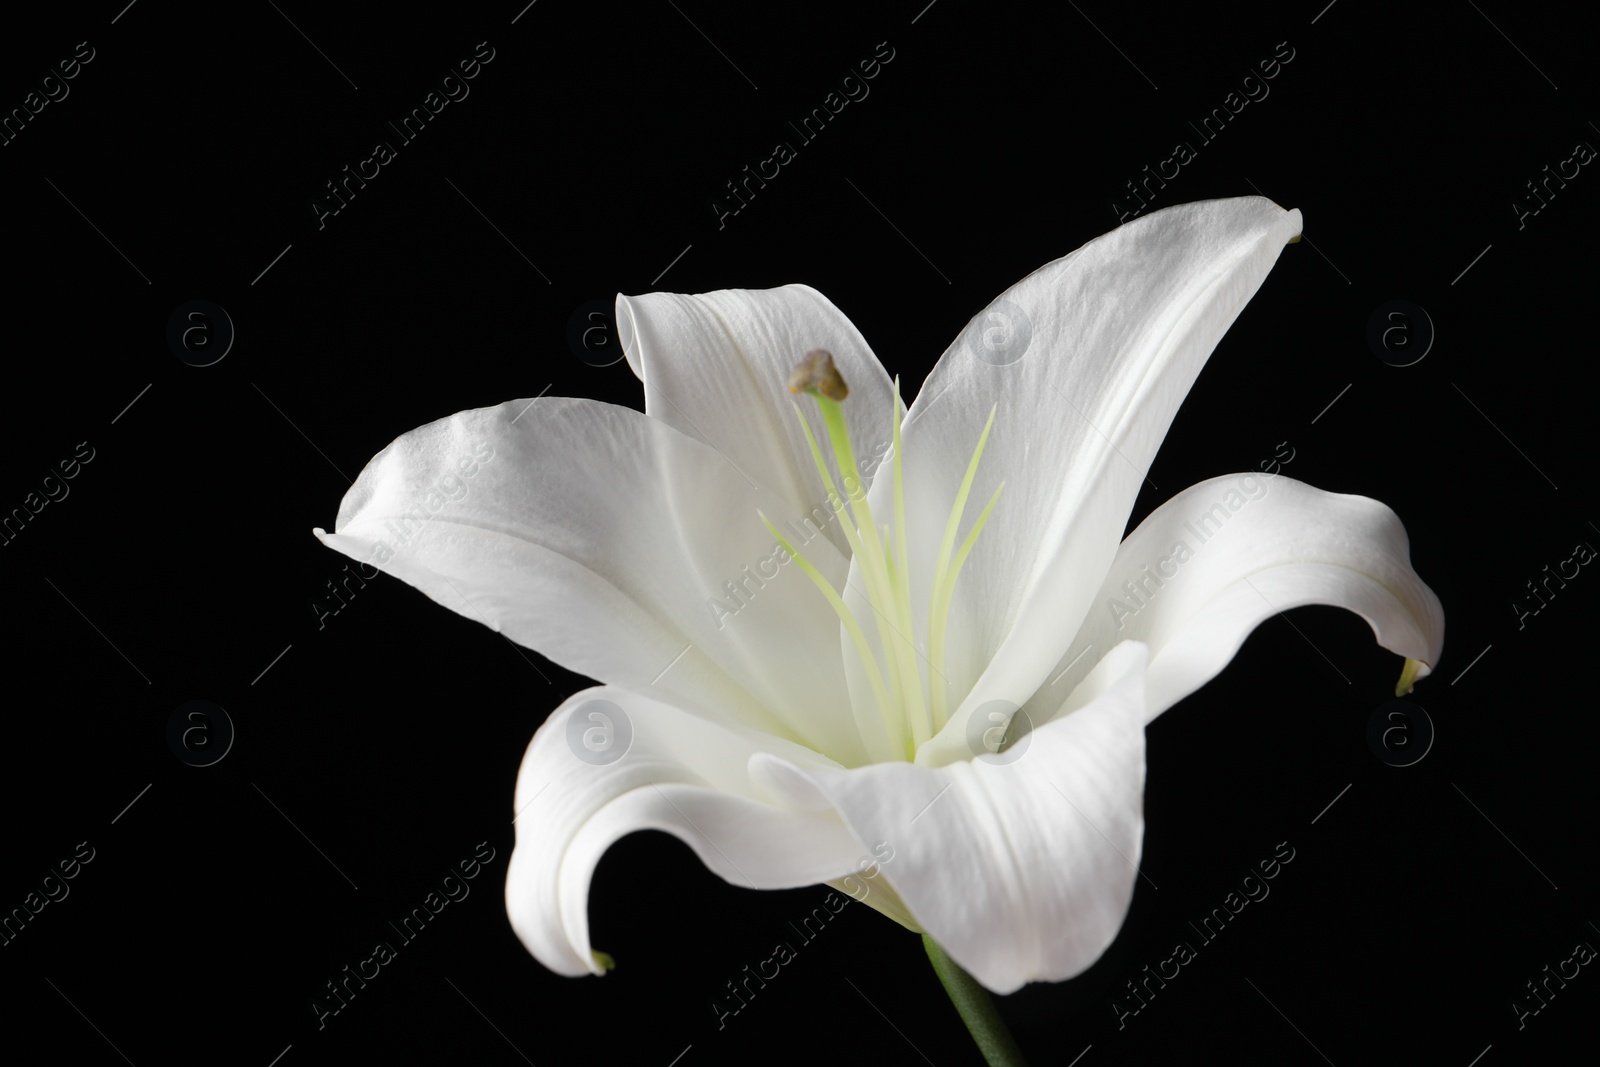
{"x":817,"y":374}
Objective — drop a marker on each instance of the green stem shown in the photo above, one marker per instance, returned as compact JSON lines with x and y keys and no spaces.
{"x":977,"y":1010}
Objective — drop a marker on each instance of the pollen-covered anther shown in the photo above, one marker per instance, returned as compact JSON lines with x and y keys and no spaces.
{"x":817,"y":374}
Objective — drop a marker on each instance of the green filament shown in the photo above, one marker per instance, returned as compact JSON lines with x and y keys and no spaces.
{"x":944,"y":578}
{"x":884,"y":564}
{"x":874,"y":678}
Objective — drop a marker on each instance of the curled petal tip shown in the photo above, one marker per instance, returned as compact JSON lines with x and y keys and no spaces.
{"x":603,"y":960}
{"x":1408,"y":675}
{"x":1294,"y":240}
{"x":817,"y":374}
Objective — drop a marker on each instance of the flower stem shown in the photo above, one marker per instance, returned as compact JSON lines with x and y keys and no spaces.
{"x":977,"y":1010}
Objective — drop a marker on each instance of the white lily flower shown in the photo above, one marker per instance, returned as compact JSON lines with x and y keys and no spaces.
{"x":782,"y":727}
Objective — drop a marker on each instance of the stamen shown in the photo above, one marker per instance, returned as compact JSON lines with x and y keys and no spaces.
{"x":884,"y":562}
{"x":900,"y":655}
{"x":892,"y":727}
{"x":874,"y":678}
{"x":942,"y":576}
{"x":939,"y":609}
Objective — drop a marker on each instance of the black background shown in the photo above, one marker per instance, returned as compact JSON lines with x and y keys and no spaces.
{"x":382,"y":747}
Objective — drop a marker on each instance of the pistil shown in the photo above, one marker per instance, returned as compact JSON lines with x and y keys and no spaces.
{"x":884,"y":562}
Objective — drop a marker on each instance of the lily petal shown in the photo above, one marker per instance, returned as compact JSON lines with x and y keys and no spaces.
{"x":606,"y":540}
{"x":1118,"y":331}
{"x":1223,"y":556}
{"x":681,"y":773}
{"x":1023,"y":871}
{"x":716,"y":367}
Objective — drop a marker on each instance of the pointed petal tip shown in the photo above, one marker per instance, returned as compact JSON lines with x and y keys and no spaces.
{"x":1291,"y":216}
{"x":1413,"y":670}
